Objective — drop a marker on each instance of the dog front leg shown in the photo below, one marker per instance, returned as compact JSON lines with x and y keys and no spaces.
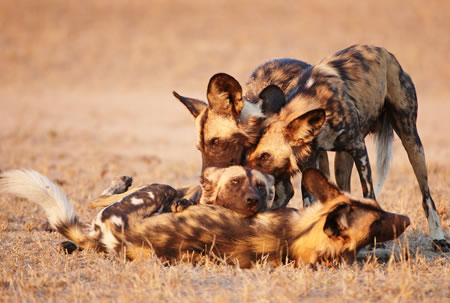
{"x":361,"y":158}
{"x":312,"y":162}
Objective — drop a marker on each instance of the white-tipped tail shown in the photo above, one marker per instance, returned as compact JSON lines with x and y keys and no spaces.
{"x":35,"y":187}
{"x":383,"y":140}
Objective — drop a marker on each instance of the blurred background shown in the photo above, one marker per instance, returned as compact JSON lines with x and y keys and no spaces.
{"x":85,"y":86}
{"x":161,"y":45}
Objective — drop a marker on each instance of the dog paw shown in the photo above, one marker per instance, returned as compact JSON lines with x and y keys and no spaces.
{"x":180,"y":205}
{"x":118,"y":186}
{"x":440,"y":245}
{"x":69,"y":247}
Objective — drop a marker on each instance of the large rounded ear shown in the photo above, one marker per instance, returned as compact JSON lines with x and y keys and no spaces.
{"x":273,"y":100}
{"x":304,"y":128}
{"x":337,"y":221}
{"x":209,"y":182}
{"x":193,"y":105}
{"x":318,"y":185}
{"x":225,"y":95}
{"x":210,"y":176}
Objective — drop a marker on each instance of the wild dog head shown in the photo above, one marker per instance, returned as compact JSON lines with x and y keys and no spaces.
{"x":343,"y":224}
{"x":222,"y":138}
{"x":287,"y":136}
{"x":244,"y":190}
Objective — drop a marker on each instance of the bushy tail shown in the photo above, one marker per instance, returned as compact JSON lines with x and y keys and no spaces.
{"x":383,"y":140}
{"x":31,"y":185}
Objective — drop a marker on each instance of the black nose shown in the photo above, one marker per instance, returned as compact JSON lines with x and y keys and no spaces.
{"x":252,"y":201}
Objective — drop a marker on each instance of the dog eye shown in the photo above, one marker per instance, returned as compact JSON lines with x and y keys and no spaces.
{"x":265,"y":156}
{"x":213,"y":142}
{"x":261,"y":187}
{"x":235,"y":181}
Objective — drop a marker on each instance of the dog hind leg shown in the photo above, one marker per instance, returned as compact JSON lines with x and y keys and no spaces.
{"x":324,"y":165}
{"x":413,"y":146}
{"x":361,"y":158}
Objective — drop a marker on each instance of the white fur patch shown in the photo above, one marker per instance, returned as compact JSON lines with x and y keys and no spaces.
{"x":97,"y":221}
{"x":35,"y":187}
{"x":116,"y":220}
{"x":109,"y":240}
{"x":250,"y":109}
{"x":433,"y":222}
{"x":306,"y":202}
{"x":309,"y":83}
{"x":151,"y":195}
{"x":136,"y":201}
{"x":384,"y":157}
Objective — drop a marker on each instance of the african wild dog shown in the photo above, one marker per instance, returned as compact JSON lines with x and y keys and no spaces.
{"x":280,"y":72}
{"x":332,"y":230}
{"x":259,"y":96}
{"x":363,"y":90}
{"x":220,"y":138}
{"x":241,"y":189}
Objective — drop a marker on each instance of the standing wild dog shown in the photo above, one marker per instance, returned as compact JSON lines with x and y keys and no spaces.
{"x":363,"y":90}
{"x":222,"y":137}
{"x":223,"y":125}
{"x":332,"y":230}
{"x":283,"y":73}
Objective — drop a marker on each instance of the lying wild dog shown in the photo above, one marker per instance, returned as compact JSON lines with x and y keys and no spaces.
{"x":332,"y":230}
{"x":363,"y":90}
{"x":241,"y":189}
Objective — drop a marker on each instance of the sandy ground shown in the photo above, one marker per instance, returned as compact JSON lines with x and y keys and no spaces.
{"x":85,"y":95}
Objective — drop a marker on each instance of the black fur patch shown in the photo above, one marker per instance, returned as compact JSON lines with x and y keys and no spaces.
{"x":163,"y":196}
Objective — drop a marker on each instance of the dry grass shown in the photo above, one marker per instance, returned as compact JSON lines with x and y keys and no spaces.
{"x":85,"y":96}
